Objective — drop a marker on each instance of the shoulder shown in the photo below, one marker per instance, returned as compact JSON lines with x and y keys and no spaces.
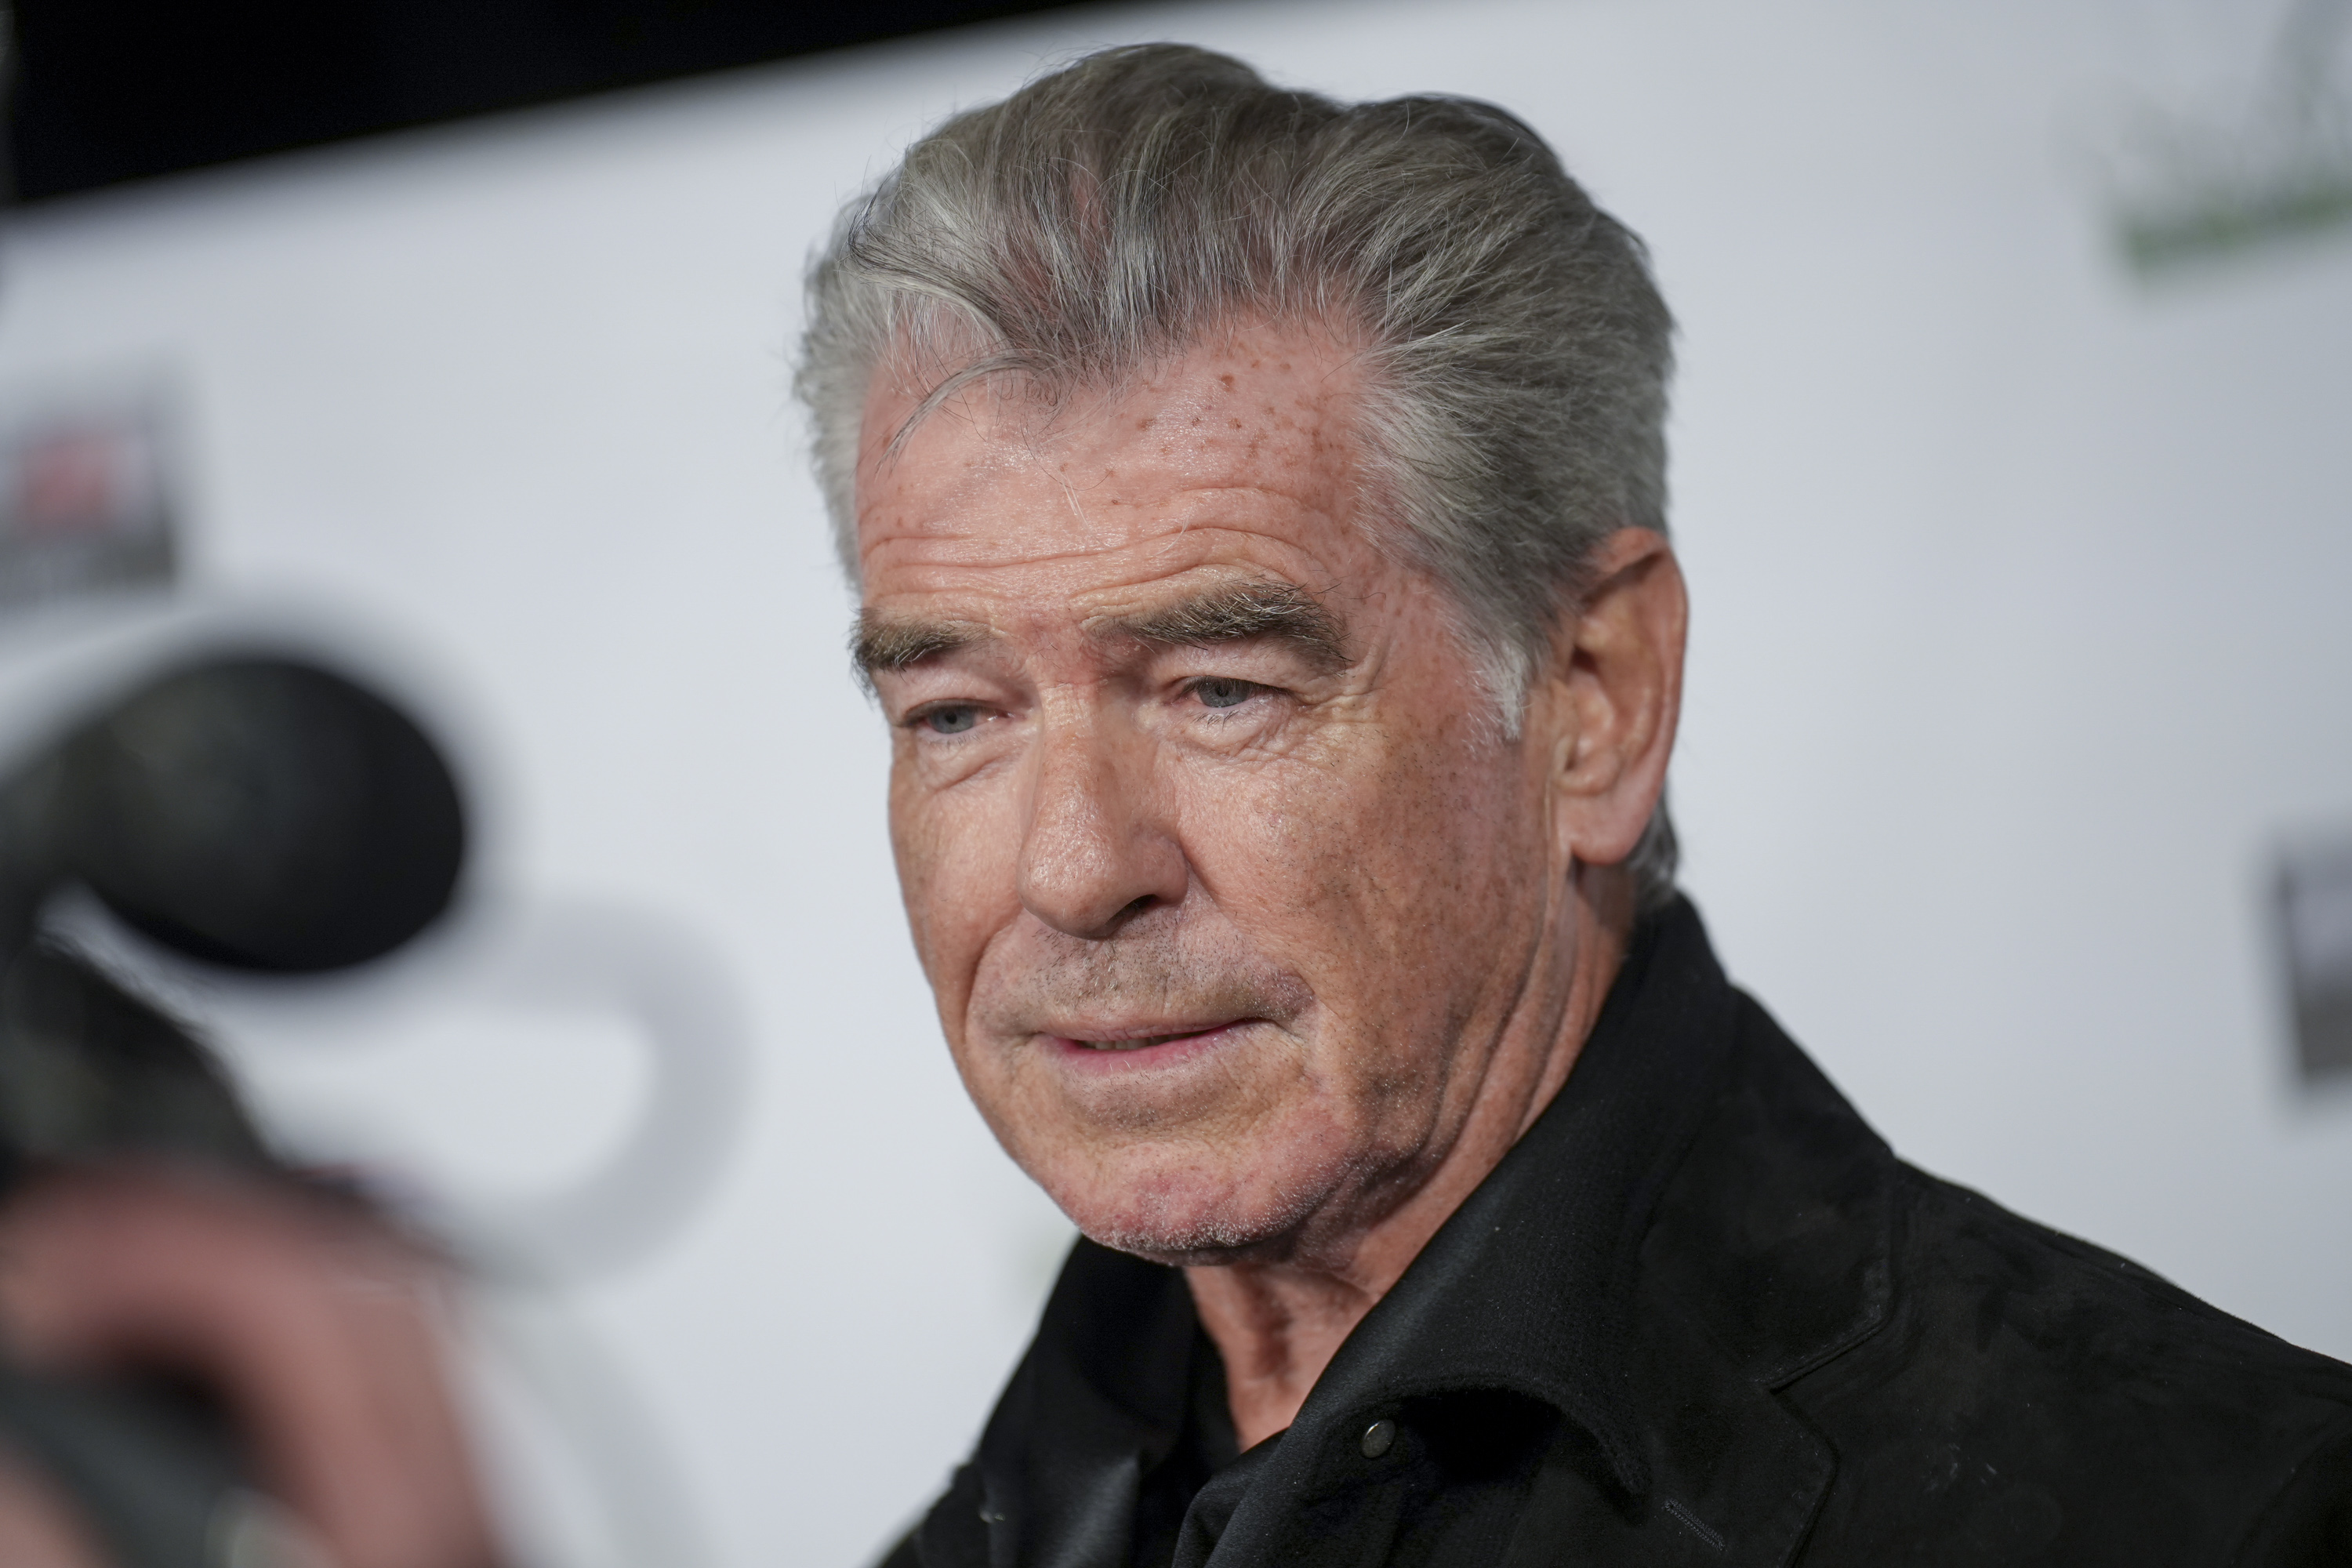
{"x":2011,"y":1391}
{"x":2018,"y":1295}
{"x":2036,"y":1397}
{"x":2037,"y":1388}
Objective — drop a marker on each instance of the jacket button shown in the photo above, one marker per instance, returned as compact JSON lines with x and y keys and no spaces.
{"x":1379,"y":1438}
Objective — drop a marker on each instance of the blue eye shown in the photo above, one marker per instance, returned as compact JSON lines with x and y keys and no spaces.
{"x":1222,"y":691}
{"x":950,"y":720}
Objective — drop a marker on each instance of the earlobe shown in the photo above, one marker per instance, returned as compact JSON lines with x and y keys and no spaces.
{"x":1614,"y":687}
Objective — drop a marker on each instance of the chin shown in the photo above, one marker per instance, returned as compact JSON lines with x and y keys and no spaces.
{"x":1192,"y":1213}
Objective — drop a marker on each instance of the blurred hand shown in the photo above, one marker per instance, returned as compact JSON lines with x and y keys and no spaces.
{"x":322,"y":1330}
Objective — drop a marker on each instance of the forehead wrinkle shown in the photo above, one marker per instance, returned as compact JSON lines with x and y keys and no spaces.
{"x":1195,"y":506}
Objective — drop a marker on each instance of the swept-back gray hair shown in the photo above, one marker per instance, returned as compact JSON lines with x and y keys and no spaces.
{"x":1516,"y":352}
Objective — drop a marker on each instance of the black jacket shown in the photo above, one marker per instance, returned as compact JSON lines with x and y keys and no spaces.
{"x":1700,"y":1314}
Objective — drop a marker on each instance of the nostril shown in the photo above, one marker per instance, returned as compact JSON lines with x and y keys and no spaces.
{"x":1135,"y":906}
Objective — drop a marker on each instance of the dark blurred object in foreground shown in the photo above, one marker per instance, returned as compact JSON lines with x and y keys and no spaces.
{"x":87,"y":1070}
{"x":111,"y":91}
{"x":249,"y":810}
{"x":252,"y":812}
{"x":150,"y":1467}
{"x":2314,"y":923}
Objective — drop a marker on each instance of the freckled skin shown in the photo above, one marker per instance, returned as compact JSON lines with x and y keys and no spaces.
{"x":1398,"y":923}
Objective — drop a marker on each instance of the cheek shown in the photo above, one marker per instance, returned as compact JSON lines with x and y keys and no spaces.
{"x":955,"y":872}
{"x":1374,"y":864}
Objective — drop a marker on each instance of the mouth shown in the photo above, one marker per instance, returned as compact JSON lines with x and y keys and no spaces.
{"x":1143,"y":1043}
{"x":1157,"y":1043}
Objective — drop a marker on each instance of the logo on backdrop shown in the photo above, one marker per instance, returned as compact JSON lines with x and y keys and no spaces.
{"x":85,"y":501}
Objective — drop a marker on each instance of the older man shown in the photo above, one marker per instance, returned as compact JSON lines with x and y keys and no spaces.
{"x":1257,"y":504}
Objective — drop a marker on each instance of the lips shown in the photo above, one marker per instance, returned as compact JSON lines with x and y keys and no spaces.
{"x":1157,"y":1042}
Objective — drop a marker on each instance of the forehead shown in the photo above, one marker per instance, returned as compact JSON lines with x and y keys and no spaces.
{"x":1240,"y":456}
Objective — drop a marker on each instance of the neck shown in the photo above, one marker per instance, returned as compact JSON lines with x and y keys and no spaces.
{"x":1278,"y":1324}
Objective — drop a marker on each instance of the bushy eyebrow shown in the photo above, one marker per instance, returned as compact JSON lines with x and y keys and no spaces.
{"x":878,"y":644}
{"x":1231,"y":613}
{"x":1238,"y":612}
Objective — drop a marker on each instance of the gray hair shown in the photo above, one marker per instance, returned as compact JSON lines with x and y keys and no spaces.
{"x":1516,"y":353}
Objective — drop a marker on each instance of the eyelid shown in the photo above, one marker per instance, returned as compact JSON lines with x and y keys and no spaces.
{"x":1262,"y":661}
{"x":1251,"y":688}
{"x":913,"y":717}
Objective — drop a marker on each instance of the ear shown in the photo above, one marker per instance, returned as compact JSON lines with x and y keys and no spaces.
{"x":1610,"y":697}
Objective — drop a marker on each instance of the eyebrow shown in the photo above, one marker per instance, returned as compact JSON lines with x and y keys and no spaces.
{"x":1231,"y":613}
{"x":1239,"y":612}
{"x":879,"y":645}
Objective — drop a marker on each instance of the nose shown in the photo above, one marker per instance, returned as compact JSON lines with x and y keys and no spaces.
{"x":1092,"y":857}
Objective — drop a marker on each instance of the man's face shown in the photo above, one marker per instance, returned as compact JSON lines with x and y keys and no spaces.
{"x":1225,"y":879}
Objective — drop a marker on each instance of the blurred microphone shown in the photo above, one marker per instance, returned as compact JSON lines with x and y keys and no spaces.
{"x":251,"y":811}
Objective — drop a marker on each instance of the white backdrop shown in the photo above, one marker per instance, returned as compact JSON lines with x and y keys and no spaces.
{"x":2021,"y":634}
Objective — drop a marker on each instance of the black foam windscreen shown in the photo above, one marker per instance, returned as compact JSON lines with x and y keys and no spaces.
{"x":265,"y":814}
